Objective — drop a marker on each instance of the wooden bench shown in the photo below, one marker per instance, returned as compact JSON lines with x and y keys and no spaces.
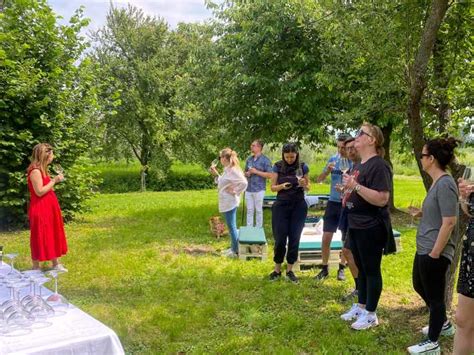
{"x":310,"y":254}
{"x":319,"y":203}
{"x":252,"y":243}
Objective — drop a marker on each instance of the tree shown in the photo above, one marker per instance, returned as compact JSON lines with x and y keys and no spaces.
{"x":265,"y":81}
{"x":44,"y":97}
{"x":138,"y":61}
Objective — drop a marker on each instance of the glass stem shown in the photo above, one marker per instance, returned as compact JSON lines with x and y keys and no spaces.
{"x":56,"y":285}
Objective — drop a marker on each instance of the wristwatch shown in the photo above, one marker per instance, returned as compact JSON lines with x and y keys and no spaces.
{"x":357,"y":188}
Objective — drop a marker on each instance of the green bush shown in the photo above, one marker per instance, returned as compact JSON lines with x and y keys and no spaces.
{"x":120,"y":178}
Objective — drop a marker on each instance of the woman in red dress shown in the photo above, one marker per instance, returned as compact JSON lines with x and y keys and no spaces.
{"x":47,"y":237}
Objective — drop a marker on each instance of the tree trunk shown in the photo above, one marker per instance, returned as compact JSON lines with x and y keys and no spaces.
{"x":441,"y":82}
{"x":461,"y":225}
{"x":418,"y":79}
{"x":387,"y":132}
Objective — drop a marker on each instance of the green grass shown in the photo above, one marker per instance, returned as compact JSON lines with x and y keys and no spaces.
{"x":147,"y":266}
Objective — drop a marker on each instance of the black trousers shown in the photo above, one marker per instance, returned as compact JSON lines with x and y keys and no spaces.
{"x":287,"y":224}
{"x":429,"y":280}
{"x":367,"y":247}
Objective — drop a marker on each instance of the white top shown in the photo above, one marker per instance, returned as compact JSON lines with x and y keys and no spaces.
{"x":230,"y":185}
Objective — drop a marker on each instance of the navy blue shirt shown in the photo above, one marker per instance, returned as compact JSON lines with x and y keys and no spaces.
{"x":288,"y":174}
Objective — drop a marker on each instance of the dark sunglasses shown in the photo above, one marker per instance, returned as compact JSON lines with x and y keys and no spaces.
{"x":360,"y":133}
{"x":424,"y":155}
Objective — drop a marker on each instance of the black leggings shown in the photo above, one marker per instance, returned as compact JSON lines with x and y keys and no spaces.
{"x":429,"y":280}
{"x":367,"y":247}
{"x":287,"y":224}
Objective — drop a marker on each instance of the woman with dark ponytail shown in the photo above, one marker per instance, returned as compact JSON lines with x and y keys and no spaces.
{"x":230,"y":184}
{"x":434,"y":244}
{"x":289,"y":180}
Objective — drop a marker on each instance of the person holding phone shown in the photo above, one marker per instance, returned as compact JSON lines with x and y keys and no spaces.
{"x":464,"y":339}
{"x":47,"y":236}
{"x":289,"y":210}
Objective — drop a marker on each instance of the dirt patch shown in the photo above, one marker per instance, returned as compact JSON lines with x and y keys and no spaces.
{"x":200,"y":250}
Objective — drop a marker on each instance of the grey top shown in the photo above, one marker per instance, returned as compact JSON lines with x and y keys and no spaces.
{"x":441,"y":201}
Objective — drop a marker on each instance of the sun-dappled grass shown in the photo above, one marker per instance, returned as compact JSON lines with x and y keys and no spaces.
{"x":146,"y":265}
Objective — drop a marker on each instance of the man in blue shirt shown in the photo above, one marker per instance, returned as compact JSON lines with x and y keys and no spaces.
{"x":334,"y":207}
{"x":258,"y":168}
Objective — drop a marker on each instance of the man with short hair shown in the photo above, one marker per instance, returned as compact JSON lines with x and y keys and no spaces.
{"x":258,"y":168}
{"x":333,"y":209}
{"x":351,"y":154}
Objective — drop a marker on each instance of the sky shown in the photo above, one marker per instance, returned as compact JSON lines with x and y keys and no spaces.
{"x":173,"y":11}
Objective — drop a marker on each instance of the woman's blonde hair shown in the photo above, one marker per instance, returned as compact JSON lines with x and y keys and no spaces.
{"x":231,"y":156}
{"x":39,"y":158}
{"x":377,"y":134}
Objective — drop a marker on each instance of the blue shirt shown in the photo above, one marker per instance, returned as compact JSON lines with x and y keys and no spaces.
{"x":262,"y":163}
{"x":336,"y":177}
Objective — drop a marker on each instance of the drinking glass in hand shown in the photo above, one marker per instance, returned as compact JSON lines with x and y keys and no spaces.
{"x":58,"y":169}
{"x":214,"y":163}
{"x":299,"y":174}
{"x":344,"y":165}
{"x":413,"y":210}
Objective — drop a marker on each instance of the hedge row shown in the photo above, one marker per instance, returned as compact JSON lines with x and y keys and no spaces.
{"x":128,"y":180}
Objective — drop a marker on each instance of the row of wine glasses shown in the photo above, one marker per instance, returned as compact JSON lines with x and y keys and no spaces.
{"x":21,"y":313}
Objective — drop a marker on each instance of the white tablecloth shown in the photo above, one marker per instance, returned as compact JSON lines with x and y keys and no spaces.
{"x":74,"y":333}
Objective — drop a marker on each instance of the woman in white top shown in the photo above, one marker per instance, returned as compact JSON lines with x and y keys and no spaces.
{"x":230,"y":185}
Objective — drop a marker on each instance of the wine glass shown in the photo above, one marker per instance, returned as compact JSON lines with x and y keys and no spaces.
{"x":59,"y":170}
{"x":413,"y":210}
{"x":57,"y":301}
{"x":214,"y":163}
{"x":299,"y":174}
{"x":344,"y":165}
{"x":11,"y":257}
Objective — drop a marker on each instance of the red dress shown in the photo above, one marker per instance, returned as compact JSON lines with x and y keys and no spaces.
{"x":47,"y":237}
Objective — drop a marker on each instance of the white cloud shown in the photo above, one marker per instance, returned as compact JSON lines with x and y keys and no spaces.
{"x":173,"y":11}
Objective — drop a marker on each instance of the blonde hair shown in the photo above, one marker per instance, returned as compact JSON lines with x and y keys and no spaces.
{"x":39,"y":158}
{"x":231,"y":156}
{"x":377,"y":134}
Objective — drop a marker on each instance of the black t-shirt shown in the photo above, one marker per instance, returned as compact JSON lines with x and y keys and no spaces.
{"x":374,"y":174}
{"x":288,"y":174}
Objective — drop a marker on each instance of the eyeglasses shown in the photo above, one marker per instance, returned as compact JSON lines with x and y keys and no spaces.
{"x":360,"y":133}
{"x":350,"y":148}
{"x":425,"y":155}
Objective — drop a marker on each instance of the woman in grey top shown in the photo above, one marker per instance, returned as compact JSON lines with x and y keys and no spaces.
{"x":434,"y":244}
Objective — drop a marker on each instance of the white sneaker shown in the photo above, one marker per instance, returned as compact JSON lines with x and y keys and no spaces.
{"x":231,"y":254}
{"x":365,"y":321}
{"x":227,"y":251}
{"x":447,"y":330}
{"x":353,"y":313}
{"x":425,"y":347}
{"x":60,"y":268}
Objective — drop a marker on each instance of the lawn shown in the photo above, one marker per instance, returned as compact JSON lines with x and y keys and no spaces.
{"x":146,"y":265}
